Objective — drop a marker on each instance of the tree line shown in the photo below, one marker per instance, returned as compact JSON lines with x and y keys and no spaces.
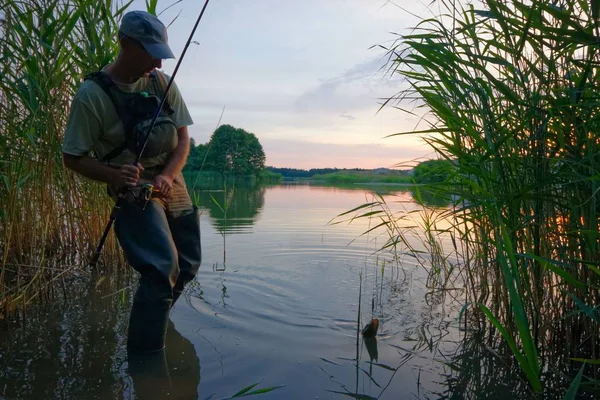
{"x":301,"y":173}
{"x":234,"y":151}
{"x":309,"y":173}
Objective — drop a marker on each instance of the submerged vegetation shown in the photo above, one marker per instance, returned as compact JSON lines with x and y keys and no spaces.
{"x":510,"y":94}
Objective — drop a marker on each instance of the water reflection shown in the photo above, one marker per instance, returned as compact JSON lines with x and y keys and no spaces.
{"x":232,"y":208}
{"x":483,"y":367}
{"x":75,"y":349}
{"x":371,"y":345}
{"x":171,"y":373}
{"x":430,"y":197}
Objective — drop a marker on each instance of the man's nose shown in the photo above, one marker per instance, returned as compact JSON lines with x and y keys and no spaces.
{"x":157,"y":63}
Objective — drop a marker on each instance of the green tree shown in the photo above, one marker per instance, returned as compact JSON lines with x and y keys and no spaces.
{"x":235,"y":151}
{"x":196,"y":156}
{"x":434,"y":171}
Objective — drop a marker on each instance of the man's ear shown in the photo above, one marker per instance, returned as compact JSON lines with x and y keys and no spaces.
{"x":125,"y":42}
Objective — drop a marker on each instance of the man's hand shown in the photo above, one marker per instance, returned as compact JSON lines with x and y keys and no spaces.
{"x":174,"y":164}
{"x":163,"y":184}
{"x":128,"y":176}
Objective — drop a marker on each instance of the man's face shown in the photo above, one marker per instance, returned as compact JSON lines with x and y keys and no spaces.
{"x":138,"y":58}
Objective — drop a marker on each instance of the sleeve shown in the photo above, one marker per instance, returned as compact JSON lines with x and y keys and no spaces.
{"x":182,"y":115}
{"x":83,"y":128}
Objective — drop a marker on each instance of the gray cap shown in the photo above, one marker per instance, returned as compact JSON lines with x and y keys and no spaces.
{"x":148,"y":31}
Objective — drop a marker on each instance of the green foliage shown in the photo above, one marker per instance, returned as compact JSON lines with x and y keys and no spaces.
{"x":313,"y":172}
{"x":46,"y":49}
{"x":510,"y":94}
{"x":267,"y":176}
{"x":231,"y":151}
{"x":434,"y":171}
{"x":247,"y":391}
{"x":197,"y":156}
{"x":572,"y":392}
{"x":151,"y":6}
{"x":301,"y":173}
{"x":365,"y":177}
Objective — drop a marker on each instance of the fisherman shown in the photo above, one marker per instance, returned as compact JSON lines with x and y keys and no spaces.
{"x":159,"y":234}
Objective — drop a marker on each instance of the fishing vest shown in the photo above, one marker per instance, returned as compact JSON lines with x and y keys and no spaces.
{"x":136,"y":111}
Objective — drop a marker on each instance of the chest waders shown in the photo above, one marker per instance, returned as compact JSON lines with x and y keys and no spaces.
{"x":164,"y":249}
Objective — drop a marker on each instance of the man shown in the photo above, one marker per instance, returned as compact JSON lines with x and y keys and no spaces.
{"x":160,"y":238}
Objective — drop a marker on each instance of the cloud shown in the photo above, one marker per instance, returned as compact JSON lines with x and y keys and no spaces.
{"x":364,"y":85}
{"x":348,"y":117}
{"x":301,"y":72}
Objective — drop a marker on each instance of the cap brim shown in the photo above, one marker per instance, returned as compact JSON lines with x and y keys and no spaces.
{"x":159,"y":50}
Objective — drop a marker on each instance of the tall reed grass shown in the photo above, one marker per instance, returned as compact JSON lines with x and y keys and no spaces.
{"x":50,"y":220}
{"x":509,"y":93}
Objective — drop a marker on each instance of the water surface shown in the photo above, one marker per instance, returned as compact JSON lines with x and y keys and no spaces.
{"x":275,"y":303}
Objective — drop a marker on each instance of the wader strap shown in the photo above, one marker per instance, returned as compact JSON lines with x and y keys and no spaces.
{"x":114,"y":152}
{"x":160,"y":83}
{"x":106,"y":83}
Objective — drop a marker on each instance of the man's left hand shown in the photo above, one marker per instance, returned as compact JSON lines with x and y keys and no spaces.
{"x":163,"y":184}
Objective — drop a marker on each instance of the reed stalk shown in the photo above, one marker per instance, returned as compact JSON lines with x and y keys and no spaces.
{"x":509,"y":96}
{"x":50,"y":219}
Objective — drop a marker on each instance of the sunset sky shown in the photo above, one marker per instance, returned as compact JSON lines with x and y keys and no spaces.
{"x":302,"y":75}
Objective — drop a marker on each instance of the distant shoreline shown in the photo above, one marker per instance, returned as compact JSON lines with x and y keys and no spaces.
{"x":375,"y":183}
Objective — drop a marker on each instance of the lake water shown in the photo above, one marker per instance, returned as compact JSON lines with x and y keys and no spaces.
{"x":275,"y":303}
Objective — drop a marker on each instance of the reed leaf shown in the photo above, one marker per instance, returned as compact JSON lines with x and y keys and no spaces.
{"x":46,"y":49}
{"x":572,"y":392}
{"x":508,"y":94}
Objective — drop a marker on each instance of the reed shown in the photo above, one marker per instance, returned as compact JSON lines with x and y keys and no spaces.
{"x":50,"y":219}
{"x":509,"y":94}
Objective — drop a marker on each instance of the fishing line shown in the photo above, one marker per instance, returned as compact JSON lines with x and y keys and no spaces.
{"x":164,"y":97}
{"x":194,"y":54}
{"x":207,"y":150}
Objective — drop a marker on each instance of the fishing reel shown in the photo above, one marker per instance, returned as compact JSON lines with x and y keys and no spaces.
{"x":144,"y":195}
{"x":139,"y":195}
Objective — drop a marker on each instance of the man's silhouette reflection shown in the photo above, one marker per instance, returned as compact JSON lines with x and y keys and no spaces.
{"x":172,"y":373}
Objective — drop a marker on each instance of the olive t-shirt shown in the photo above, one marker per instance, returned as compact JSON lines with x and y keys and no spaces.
{"x":95,"y":125}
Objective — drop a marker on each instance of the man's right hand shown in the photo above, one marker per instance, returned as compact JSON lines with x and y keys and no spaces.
{"x":125,"y":177}
{"x":128,"y":176}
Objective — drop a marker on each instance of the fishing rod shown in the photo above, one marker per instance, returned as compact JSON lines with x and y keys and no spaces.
{"x":122,"y":193}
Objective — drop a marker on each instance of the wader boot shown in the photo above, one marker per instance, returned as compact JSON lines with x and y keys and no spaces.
{"x":186,"y":235}
{"x":146,"y":240}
